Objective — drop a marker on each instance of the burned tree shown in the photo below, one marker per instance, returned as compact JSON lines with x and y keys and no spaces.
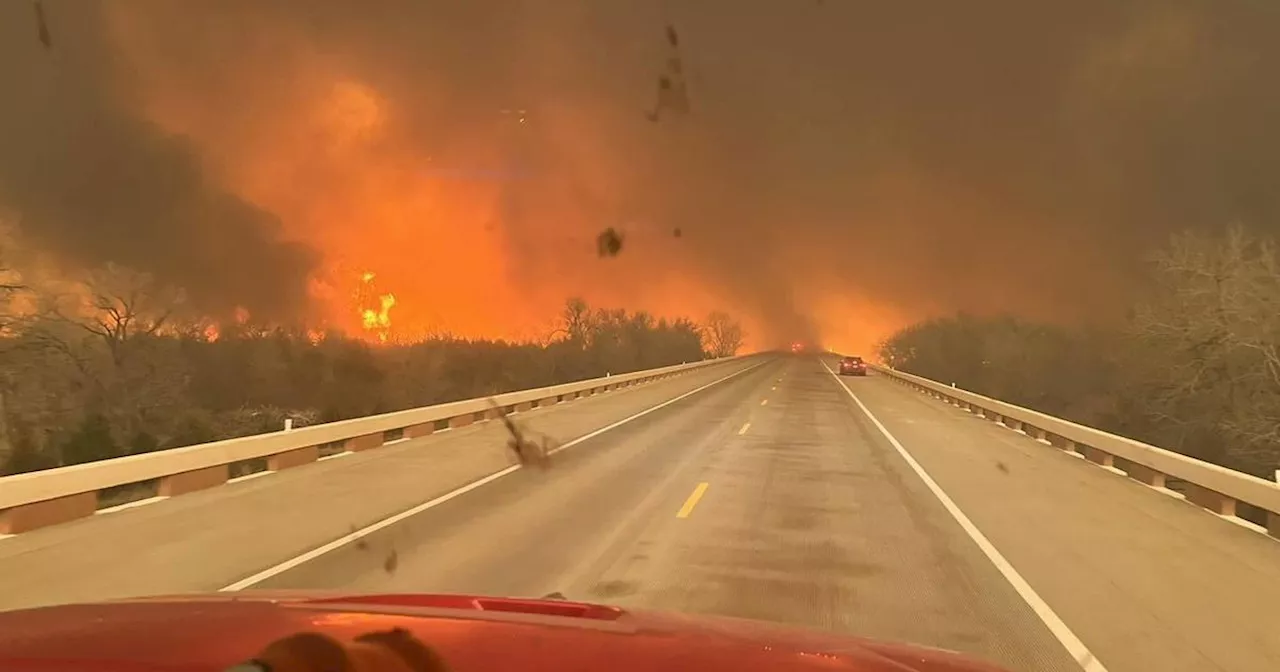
{"x":723,"y":335}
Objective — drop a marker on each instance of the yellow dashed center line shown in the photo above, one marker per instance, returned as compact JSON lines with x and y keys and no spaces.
{"x":692,"y":501}
{"x":744,"y":429}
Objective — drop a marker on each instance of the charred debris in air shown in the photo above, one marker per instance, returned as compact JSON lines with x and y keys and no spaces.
{"x":42,"y":26}
{"x":526,"y":451}
{"x":391,"y":559}
{"x":609,"y":242}
{"x":672,"y":98}
{"x":673,"y":94}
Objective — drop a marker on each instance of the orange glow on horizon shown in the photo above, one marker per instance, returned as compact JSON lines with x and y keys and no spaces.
{"x":854,"y":325}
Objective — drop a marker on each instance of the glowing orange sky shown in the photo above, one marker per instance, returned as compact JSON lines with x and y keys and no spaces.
{"x":346,"y":168}
{"x":330,"y":164}
{"x":840,"y":169}
{"x":340,"y":181}
{"x":368,"y":205}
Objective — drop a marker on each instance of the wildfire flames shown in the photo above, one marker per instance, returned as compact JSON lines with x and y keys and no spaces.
{"x":504,"y":199}
{"x":375,"y":319}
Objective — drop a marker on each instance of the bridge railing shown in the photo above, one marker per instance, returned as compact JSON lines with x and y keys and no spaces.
{"x":38,"y":499}
{"x":1210,"y":486}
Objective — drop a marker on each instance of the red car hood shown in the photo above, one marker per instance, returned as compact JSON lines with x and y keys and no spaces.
{"x":207,"y":633}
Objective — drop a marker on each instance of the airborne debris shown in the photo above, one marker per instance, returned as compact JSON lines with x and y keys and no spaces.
{"x":677,"y":232}
{"x":1002,"y":467}
{"x":672,"y":93}
{"x":526,"y":451}
{"x":42,"y":27}
{"x":609,"y":242}
{"x":389,"y":563}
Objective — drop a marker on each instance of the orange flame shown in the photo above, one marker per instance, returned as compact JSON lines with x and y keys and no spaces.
{"x":380,"y":319}
{"x":375,"y":319}
{"x":211,"y":333}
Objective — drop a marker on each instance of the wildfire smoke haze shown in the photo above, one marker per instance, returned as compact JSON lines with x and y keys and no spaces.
{"x":833,"y":170}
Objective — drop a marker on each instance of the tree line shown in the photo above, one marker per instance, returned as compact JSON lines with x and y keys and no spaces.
{"x":1194,"y":368}
{"x":116,"y":367}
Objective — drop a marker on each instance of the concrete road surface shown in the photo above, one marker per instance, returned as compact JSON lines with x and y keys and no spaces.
{"x":207,"y":540}
{"x":767,"y":489}
{"x":1146,"y":580}
{"x":767,"y":497}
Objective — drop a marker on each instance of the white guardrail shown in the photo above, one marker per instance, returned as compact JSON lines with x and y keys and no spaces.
{"x":39,"y":499}
{"x":1208,"y":485}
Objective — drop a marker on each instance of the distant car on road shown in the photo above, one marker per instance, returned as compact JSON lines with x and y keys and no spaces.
{"x":853,"y":366}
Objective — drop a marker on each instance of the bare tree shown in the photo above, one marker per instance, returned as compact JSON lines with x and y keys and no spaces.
{"x":119,"y":305}
{"x":723,"y":335}
{"x":577,"y":322}
{"x":10,"y":285}
{"x":113,"y":328}
{"x":1211,"y":336}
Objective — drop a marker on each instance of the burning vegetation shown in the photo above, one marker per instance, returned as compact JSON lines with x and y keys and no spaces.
{"x":120,"y":363}
{"x":374,"y":307}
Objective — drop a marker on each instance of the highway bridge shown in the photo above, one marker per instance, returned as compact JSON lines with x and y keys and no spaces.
{"x":761,"y":487}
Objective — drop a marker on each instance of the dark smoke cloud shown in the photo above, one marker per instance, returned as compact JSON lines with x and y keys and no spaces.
{"x":928,"y":156}
{"x":89,"y":177}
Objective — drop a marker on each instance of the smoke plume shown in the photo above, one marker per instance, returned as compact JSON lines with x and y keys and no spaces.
{"x":86,"y":174}
{"x":834,"y":169}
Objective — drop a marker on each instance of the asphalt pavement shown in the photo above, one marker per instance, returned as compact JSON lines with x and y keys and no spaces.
{"x":767,"y":489}
{"x":217,"y":538}
{"x":768,"y":497}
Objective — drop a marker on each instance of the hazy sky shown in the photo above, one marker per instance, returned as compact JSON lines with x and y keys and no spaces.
{"x":845,"y":165}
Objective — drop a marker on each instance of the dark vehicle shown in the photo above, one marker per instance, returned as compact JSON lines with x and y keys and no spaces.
{"x":853,"y":366}
{"x":284,"y":631}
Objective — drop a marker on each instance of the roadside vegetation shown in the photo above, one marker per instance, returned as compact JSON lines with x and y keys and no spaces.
{"x":112,"y":367}
{"x":1195,"y":368}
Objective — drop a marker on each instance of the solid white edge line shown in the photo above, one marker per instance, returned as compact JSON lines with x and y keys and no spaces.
{"x":314,"y":553}
{"x":1075,"y":648}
